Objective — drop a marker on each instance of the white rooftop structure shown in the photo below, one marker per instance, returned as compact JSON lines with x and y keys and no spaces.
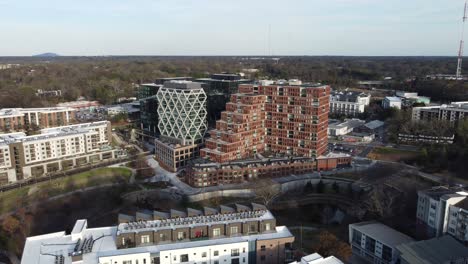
{"x":381,"y":233}
{"x":318,"y":259}
{"x":9,"y":112}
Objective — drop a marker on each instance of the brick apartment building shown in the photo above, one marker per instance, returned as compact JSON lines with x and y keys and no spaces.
{"x":278,"y":118}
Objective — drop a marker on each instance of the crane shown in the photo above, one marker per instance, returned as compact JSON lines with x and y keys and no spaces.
{"x":462,"y":42}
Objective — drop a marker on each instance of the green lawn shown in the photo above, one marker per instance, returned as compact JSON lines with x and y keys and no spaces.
{"x":16,"y":198}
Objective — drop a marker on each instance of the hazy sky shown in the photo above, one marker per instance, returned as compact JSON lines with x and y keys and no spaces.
{"x":230,"y":27}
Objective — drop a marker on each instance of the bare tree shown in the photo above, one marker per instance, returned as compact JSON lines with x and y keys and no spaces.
{"x":267,"y":190}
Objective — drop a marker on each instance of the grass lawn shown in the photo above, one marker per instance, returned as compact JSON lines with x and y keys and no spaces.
{"x":392,"y":154}
{"x":11,"y":200}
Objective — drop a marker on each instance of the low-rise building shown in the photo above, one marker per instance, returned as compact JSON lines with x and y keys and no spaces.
{"x":443,"y":210}
{"x":343,"y":128}
{"x":442,"y":250}
{"x":348,"y":103}
{"x":426,"y":139}
{"x":237,"y":234}
{"x":391,"y":101}
{"x":20,"y":119}
{"x":53,"y":150}
{"x":376,"y":242}
{"x":202,"y":174}
{"x":452,"y":112}
{"x":81,"y":105}
{"x":409,"y":98}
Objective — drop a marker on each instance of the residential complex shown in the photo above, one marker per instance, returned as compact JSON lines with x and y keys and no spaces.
{"x":376,"y":242}
{"x":237,"y":234}
{"x":453,"y":112}
{"x":182,"y":123}
{"x":202,"y":174}
{"x":391,"y":101}
{"x":443,"y":210}
{"x":219,"y":88}
{"x":54,"y":149}
{"x":19,"y":119}
{"x":348,"y":103}
{"x":285,"y":119}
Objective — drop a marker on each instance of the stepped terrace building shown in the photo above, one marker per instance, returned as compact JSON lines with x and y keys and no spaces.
{"x":55,"y":149}
{"x":182,"y":123}
{"x":237,"y":234}
{"x":19,"y":119}
{"x":278,"y":118}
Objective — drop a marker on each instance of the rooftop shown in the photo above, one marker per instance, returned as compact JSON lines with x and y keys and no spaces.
{"x":182,"y":84}
{"x":318,"y":259}
{"x":382,"y":233}
{"x":351,"y":123}
{"x":444,"y":249}
{"x":346,"y":96}
{"x":21,"y":111}
{"x":155,"y":220}
{"x":374,"y":124}
{"x":393,"y":99}
{"x":48,"y":133}
{"x":437,"y":192}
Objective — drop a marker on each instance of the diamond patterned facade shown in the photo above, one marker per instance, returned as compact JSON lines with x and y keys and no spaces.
{"x":182,"y":112}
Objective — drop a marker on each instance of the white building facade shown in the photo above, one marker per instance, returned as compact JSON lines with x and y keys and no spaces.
{"x":391,"y":101}
{"x":55,"y":149}
{"x":348,"y":103}
{"x":443,"y":211}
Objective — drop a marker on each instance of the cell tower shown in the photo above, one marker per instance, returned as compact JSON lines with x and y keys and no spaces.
{"x":462,"y":42}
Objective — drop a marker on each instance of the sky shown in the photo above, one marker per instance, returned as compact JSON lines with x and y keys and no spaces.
{"x":231,"y":27}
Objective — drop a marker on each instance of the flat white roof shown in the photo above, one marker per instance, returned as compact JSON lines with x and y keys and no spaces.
{"x":43,"y":249}
{"x":381,"y":233}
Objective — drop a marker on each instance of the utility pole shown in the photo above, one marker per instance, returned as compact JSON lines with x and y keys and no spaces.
{"x":462,"y":42}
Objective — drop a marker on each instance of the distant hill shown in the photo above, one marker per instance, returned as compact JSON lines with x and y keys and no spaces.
{"x":48,"y":54}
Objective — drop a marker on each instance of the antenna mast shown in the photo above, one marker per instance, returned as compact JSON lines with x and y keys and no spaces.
{"x":462,"y":42}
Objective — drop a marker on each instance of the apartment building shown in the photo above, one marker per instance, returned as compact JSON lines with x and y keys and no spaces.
{"x":182,"y":123}
{"x":241,"y":131}
{"x":228,"y":234}
{"x":348,"y":103}
{"x":202,"y":174}
{"x":376,"y":242}
{"x":19,"y":119}
{"x":54,"y":149}
{"x":443,"y":210}
{"x":278,"y":118}
{"x":453,"y":112}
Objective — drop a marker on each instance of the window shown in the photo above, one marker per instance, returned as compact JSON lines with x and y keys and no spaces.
{"x":216,"y":253}
{"x":203,"y":254}
{"x":216,"y":232}
{"x":184,"y":258}
{"x":127,"y":262}
{"x":234,"y":230}
{"x":145,"y":239}
{"x":180,"y":235}
{"x":262,"y":258}
{"x":252,"y":228}
{"x":162,"y":237}
{"x":235,"y":261}
{"x":263,"y":248}
{"x":216,"y":262}
{"x":267,"y":227}
{"x":234,"y":252}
